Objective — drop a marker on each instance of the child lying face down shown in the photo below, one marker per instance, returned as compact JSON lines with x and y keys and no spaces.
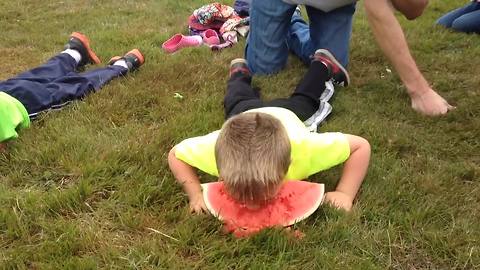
{"x":56,"y":83}
{"x":263,"y":143}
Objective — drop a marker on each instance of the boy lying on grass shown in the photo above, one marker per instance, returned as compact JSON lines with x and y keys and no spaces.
{"x":56,"y":83}
{"x":263,"y":143}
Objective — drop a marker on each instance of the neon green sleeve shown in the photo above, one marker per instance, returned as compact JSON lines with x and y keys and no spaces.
{"x":13,"y":116}
{"x":315,"y":152}
{"x":199,"y":152}
{"x":327,"y":150}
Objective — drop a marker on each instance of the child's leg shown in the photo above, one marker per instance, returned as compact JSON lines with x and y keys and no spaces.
{"x":57,"y":66}
{"x":38,"y":97}
{"x":97,"y":78}
{"x":240,"y":95}
{"x":77,"y":53}
{"x":305,"y":99}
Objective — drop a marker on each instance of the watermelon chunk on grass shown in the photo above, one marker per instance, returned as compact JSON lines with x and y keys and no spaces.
{"x":295,"y":201}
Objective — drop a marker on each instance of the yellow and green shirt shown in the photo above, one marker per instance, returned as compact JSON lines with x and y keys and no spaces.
{"x":310,"y":152}
{"x":13,"y":117}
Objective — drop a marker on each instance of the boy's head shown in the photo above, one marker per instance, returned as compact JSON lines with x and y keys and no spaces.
{"x":253,"y":155}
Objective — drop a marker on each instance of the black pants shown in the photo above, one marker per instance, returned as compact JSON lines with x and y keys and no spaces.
{"x":304,"y":101}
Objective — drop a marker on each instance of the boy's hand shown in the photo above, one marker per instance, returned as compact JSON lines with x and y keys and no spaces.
{"x":339,"y":200}
{"x":197,"y":205}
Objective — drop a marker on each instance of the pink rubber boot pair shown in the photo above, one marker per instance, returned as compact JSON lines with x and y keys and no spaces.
{"x":179,"y":41}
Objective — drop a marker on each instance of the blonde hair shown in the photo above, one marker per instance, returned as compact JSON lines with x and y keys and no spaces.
{"x":253,"y":155}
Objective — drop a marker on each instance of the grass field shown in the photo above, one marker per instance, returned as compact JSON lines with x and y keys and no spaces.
{"x":89,"y":187}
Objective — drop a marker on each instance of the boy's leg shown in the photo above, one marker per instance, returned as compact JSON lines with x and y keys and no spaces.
{"x":240,"y":95}
{"x":305,"y":100}
{"x":57,"y":66}
{"x":38,"y":97}
{"x":76,"y":86}
{"x":266,"y":50}
{"x":77,"y":53}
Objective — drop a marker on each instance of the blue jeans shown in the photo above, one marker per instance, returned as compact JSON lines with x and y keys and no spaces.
{"x":464,"y":19}
{"x":55,"y":83}
{"x":274,"y":31}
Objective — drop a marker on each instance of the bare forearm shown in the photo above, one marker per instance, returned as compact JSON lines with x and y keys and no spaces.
{"x":355,"y":167}
{"x":185,"y":175}
{"x":391,"y":39}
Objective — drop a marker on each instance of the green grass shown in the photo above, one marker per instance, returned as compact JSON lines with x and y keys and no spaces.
{"x":89,"y":187}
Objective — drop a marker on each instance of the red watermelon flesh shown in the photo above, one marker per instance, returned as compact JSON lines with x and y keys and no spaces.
{"x":295,"y":201}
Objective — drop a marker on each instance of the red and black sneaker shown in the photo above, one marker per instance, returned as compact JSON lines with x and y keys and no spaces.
{"x":239,"y":65}
{"x":81,"y":44}
{"x":336,"y":71}
{"x":134,"y":59}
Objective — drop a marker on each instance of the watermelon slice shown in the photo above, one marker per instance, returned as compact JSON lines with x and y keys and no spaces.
{"x":295,"y":201}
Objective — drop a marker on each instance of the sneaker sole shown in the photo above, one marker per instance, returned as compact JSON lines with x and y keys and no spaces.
{"x":238,"y":60}
{"x":335,"y":61}
{"x":86,"y":43}
{"x":319,"y":116}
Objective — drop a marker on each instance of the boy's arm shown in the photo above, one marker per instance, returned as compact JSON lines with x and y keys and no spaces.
{"x":354,"y":171}
{"x":188,"y":178}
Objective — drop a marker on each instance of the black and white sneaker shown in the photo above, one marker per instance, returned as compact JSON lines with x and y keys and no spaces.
{"x":328,"y":92}
{"x":336,"y":71}
{"x":324,"y":109}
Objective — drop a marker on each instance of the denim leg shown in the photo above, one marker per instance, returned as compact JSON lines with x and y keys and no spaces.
{"x":298,"y":38}
{"x":468,"y":23}
{"x":101,"y":76}
{"x":332,"y":31}
{"x":447,"y":19}
{"x":327,"y":30}
{"x":38,"y":96}
{"x":266,"y":50}
{"x":57,"y":66}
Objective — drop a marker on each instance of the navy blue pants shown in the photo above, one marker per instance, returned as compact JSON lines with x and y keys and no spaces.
{"x":55,"y":84}
{"x":304,"y":101}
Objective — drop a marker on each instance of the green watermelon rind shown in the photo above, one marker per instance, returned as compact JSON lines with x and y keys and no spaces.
{"x":307,"y":213}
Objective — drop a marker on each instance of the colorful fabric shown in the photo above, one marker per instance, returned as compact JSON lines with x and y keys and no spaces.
{"x":310,"y":152}
{"x":13,"y":117}
{"x":213,"y":12}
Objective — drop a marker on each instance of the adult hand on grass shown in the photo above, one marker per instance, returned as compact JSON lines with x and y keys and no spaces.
{"x":430,"y":103}
{"x":339,"y":200}
{"x":197,"y":205}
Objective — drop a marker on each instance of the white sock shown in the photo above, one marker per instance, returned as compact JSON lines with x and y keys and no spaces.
{"x":75,"y":54}
{"x":121,"y":63}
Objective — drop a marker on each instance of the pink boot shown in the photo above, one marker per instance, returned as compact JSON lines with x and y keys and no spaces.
{"x":210,"y":37}
{"x":179,"y":41}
